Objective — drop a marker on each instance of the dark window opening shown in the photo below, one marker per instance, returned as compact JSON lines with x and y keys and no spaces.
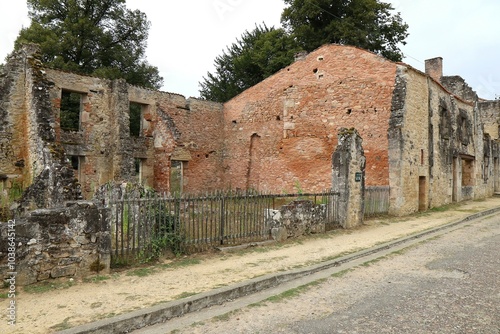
{"x":136,"y":115}
{"x":70,"y":110}
{"x":77,"y":164}
{"x":138,"y":169}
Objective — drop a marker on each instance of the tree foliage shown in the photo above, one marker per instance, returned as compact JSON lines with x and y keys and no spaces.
{"x":307,"y":24}
{"x":368,"y":24}
{"x":255,"y":56}
{"x":97,"y":37}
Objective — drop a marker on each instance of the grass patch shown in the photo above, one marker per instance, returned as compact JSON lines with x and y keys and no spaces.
{"x":95,"y":305}
{"x":4,"y":295}
{"x":46,"y":286}
{"x":96,"y":279}
{"x":62,"y":326}
{"x":445,"y":208}
{"x":181,"y":263}
{"x":141,"y":272}
{"x":294,"y":292}
{"x":225,"y":316}
{"x":341,"y":273}
{"x":185,"y":295}
{"x":370,"y":262}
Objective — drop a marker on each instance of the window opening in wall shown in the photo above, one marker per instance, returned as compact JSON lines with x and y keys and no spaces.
{"x":77,"y":163}
{"x":136,"y":118}
{"x":70,"y":111}
{"x":467,"y":172}
{"x":3,"y":182}
{"x":176,"y":176}
{"x":138,"y":169}
{"x":422,"y":157}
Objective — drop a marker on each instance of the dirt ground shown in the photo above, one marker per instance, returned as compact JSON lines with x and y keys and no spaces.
{"x":58,"y":305}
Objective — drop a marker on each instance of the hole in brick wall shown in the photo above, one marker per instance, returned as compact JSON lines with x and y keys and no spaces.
{"x":315,"y":70}
{"x":349,"y":111}
{"x":320,"y":58}
{"x":320,"y":76}
{"x":136,"y":111}
{"x":278,"y":118}
{"x":206,"y":156}
{"x":235,"y":122}
{"x":70,"y":111}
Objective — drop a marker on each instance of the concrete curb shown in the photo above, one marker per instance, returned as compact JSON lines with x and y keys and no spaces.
{"x":163,"y":312}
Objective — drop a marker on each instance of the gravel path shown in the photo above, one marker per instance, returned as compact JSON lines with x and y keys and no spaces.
{"x":447,"y":285}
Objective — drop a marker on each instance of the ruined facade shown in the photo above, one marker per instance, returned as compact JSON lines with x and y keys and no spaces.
{"x":428,"y":137}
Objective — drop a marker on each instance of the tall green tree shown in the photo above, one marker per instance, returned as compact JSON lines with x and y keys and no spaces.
{"x":256,"y":55}
{"x":97,"y":37}
{"x":369,"y":24}
{"x":307,"y":24}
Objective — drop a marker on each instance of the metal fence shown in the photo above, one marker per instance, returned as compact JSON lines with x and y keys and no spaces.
{"x":376,"y":200}
{"x":143,"y":227}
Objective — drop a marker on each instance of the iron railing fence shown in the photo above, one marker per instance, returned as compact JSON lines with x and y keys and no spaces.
{"x":143,"y":225}
{"x":376,"y":200}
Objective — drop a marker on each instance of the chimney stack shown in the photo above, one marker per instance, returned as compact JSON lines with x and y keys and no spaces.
{"x":434,"y":68}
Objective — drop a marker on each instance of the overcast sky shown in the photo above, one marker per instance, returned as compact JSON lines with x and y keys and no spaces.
{"x":187,"y":35}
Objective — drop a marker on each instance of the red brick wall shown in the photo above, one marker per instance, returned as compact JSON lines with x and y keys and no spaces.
{"x":199,"y":125}
{"x":296,"y":114}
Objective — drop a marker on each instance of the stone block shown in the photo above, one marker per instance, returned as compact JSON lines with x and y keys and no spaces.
{"x":63,"y":271}
{"x":279,"y":234}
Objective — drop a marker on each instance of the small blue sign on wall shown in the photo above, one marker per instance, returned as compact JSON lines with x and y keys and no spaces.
{"x":358,"y":177}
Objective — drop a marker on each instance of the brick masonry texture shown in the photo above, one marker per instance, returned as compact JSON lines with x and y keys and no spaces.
{"x":294,"y":117}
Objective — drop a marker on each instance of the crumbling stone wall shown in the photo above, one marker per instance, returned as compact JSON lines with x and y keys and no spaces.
{"x":490,"y":117}
{"x":457,"y":86}
{"x":437,"y":149}
{"x":33,"y":157}
{"x":170,"y":123}
{"x":71,"y":241}
{"x":296,"y":219}
{"x":348,"y":177}
{"x":281,"y":133}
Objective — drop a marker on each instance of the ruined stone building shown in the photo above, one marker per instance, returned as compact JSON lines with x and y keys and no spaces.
{"x":428,"y":137}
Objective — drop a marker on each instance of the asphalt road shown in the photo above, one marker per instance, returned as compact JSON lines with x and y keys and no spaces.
{"x":447,"y":284}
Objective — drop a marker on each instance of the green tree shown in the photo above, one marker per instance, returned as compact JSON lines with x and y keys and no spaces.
{"x":255,"y":56}
{"x":307,"y":24}
{"x":369,"y":24}
{"x":97,"y":37}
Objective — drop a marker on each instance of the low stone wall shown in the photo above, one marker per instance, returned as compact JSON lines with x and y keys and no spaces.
{"x":71,"y":241}
{"x":296,"y":219}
